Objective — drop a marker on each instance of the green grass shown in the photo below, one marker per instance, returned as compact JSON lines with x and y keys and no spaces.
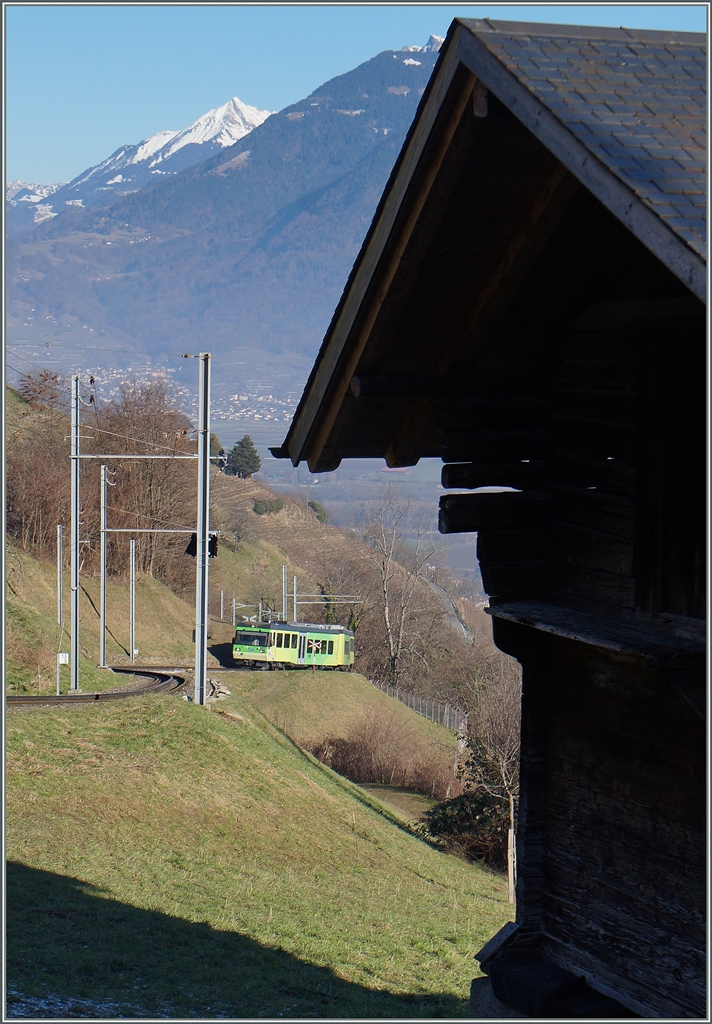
{"x":410,"y":806}
{"x":175,"y":861}
{"x":315,"y":705}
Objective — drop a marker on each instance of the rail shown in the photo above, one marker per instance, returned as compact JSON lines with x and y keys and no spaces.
{"x":163,"y":680}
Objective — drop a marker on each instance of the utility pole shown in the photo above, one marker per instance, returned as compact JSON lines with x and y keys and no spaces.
{"x":261,"y":612}
{"x":74,"y":654}
{"x":222,"y":605}
{"x":132,"y":603}
{"x":60,"y":617}
{"x":284,"y":593}
{"x":102,"y":595}
{"x":234,"y":612}
{"x":203,"y":527}
{"x":295,"y":600}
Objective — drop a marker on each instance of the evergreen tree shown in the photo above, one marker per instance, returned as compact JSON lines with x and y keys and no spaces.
{"x":243,"y":460}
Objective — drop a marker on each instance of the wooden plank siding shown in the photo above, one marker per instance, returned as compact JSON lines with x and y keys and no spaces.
{"x":613,"y":843}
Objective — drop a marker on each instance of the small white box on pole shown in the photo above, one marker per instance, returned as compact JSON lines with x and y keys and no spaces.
{"x":63,"y":658}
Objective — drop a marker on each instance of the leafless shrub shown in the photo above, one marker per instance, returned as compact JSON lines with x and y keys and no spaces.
{"x":382,"y":749}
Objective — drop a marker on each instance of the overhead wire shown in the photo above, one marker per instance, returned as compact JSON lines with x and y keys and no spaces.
{"x":146,"y":515}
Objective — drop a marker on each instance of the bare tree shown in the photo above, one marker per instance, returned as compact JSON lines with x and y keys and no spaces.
{"x":494,"y":742}
{"x":494,"y":729}
{"x":402,"y":549}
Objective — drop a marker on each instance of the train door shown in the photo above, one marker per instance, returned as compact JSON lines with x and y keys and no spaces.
{"x":301,"y":649}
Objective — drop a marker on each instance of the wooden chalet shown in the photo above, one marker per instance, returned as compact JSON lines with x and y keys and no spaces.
{"x":529,"y":305}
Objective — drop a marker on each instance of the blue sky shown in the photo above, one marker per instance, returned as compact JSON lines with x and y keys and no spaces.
{"x":83,"y":80}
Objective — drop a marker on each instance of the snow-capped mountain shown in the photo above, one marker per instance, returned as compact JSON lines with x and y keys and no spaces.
{"x":432,"y":46}
{"x":131,"y":168}
{"x":250,"y":248}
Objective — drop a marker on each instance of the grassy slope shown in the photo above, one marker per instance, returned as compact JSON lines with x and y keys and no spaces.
{"x":170,"y":859}
{"x":164,"y":621}
{"x":316,"y":705}
{"x":33,"y":638}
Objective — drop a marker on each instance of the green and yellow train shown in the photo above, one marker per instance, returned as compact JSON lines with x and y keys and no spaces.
{"x":293,"y":645}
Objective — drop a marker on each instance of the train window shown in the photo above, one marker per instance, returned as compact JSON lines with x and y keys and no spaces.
{"x":331,"y":646}
{"x":295,"y":638}
{"x":279,"y":639}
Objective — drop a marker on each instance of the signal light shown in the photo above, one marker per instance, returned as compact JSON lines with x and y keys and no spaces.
{"x":192,"y":548}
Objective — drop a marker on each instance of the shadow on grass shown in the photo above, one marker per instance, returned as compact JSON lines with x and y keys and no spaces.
{"x":68,"y":941}
{"x":223,"y":653}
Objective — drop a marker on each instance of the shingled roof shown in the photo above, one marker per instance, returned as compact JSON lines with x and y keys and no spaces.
{"x":618,"y":112}
{"x":635,"y":99}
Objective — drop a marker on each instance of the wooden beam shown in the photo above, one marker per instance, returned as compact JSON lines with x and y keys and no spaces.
{"x":463,"y":475}
{"x":509,"y":510}
{"x":497,"y":445}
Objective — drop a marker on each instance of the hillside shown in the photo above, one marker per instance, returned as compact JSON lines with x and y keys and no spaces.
{"x":169,"y":860}
{"x":437,"y":657}
{"x":250,"y":248}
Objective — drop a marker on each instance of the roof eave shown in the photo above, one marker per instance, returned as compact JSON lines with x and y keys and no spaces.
{"x":358,"y":307}
{"x":375,"y":265}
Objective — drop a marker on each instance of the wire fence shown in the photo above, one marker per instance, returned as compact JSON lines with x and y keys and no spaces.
{"x":443,"y":714}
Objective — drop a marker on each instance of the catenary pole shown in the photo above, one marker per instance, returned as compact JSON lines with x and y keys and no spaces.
{"x":284,"y":593}
{"x":60,"y":617}
{"x":102,"y":595}
{"x":202,"y":531}
{"x":295,"y":600}
{"x":74,"y":654}
{"x":132,"y":603}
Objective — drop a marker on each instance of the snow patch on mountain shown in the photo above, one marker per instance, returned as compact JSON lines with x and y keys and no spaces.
{"x":30,"y":191}
{"x":153,"y":145}
{"x":432,"y":46}
{"x":223,"y":126}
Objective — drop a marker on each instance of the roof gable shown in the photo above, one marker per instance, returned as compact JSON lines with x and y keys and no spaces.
{"x":637,"y":101}
{"x":565,"y":88}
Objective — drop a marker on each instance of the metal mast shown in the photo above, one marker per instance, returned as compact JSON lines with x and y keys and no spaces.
{"x":102,"y":596}
{"x":74,"y":654}
{"x":132,"y":602}
{"x":202,"y":532}
{"x":60,"y":617}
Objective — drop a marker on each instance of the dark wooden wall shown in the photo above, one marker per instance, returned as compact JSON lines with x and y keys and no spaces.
{"x":591,"y":401}
{"x":612,"y":848}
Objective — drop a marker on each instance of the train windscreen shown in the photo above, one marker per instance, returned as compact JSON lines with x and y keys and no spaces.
{"x":251,"y":639}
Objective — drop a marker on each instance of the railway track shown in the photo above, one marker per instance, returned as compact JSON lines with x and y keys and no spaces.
{"x":162,"y":680}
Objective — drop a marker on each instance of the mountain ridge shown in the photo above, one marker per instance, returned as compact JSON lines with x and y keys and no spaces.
{"x":131,"y":167}
{"x":248,"y":249}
